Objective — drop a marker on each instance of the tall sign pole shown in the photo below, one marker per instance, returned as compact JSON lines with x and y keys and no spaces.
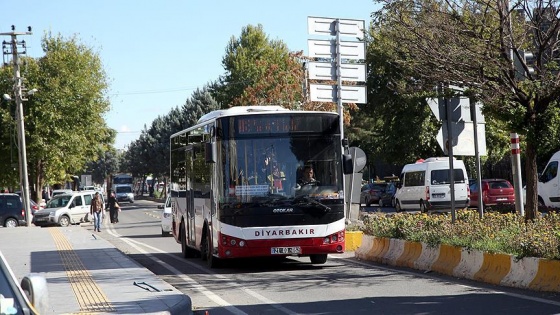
{"x":329,"y":66}
{"x":516,"y":167}
{"x":19,"y":98}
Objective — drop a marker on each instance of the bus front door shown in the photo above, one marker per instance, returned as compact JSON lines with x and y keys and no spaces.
{"x":191,"y":228}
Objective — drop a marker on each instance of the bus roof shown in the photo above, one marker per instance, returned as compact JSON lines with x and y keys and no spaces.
{"x":237,"y":110}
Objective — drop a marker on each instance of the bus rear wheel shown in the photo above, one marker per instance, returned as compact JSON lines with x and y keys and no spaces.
{"x":318,"y":259}
{"x":185,"y":249}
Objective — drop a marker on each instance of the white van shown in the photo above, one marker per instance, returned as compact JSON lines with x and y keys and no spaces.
{"x":66,"y":209}
{"x":548,"y":186}
{"x":425,"y":185}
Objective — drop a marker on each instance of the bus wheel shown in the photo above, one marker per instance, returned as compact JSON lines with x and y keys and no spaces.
{"x":185,"y":249}
{"x":206,"y":251}
{"x":318,"y":259}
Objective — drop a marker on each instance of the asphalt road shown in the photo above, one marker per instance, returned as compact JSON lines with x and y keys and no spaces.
{"x":343,"y":285}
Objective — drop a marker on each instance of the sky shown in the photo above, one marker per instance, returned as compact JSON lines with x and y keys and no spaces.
{"x":156,"y":53}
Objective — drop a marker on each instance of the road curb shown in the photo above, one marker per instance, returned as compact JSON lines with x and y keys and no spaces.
{"x":528,"y":273}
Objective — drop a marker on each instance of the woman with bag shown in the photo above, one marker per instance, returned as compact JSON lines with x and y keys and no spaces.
{"x":114,"y":208}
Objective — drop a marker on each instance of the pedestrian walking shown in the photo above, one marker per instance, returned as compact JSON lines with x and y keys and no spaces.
{"x":96,"y":210}
{"x":114,"y":208}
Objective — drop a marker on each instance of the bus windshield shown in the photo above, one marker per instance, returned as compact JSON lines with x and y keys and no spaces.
{"x":268,"y":168}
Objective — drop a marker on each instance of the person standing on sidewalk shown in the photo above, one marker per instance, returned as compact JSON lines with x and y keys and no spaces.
{"x":96,"y":209}
{"x":114,"y":208}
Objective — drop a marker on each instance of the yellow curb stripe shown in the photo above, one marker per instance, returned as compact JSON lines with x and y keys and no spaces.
{"x":412,"y":251}
{"x":88,"y":294}
{"x":449,"y":258}
{"x":380,"y":247}
{"x":547,"y":277}
{"x":494,"y":268}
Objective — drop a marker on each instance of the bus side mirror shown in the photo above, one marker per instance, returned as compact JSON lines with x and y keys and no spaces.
{"x":347,"y":164}
{"x":210,"y":152}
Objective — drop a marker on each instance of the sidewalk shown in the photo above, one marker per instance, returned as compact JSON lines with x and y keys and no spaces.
{"x":87,"y":274}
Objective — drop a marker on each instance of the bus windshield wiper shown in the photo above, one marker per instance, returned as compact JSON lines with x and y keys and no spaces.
{"x":307,"y":201}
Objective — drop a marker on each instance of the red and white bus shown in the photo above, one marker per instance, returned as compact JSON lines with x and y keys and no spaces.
{"x":234,"y":188}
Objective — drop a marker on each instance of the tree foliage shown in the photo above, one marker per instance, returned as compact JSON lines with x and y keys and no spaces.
{"x":258,"y":71}
{"x":475,"y":43}
{"x":64,"y":123}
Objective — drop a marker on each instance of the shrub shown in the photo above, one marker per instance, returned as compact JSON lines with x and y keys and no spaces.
{"x":496,"y":232}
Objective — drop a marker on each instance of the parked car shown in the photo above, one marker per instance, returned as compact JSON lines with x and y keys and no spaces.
{"x":166,"y":217}
{"x":65,"y":209}
{"x":371,"y":193}
{"x":388,"y":196}
{"x":12,"y":213}
{"x":35,"y":207}
{"x":494,"y":191}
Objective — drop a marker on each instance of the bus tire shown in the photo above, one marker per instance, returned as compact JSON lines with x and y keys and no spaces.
{"x":318,"y":259}
{"x":206,"y":251}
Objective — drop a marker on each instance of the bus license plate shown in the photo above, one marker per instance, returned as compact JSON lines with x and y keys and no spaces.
{"x":285,"y":250}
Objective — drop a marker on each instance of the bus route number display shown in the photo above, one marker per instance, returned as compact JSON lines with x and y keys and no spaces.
{"x":257,"y":125}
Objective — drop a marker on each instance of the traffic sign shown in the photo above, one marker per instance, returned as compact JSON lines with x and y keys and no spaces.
{"x":328,"y":93}
{"x":327,"y":71}
{"x":463,"y":138}
{"x":327,"y":49}
{"x":327,"y":26}
{"x":359,"y":158}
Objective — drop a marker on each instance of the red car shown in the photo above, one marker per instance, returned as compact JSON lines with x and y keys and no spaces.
{"x":494,"y":191}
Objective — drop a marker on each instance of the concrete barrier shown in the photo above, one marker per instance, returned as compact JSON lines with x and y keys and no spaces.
{"x":500,"y":269}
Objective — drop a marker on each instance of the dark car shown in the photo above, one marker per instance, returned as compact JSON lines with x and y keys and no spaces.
{"x":371,"y":193}
{"x":494,"y":192}
{"x":388,"y":196}
{"x":12,"y":213}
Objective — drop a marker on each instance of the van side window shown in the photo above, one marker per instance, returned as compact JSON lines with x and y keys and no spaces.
{"x":441,"y":177}
{"x":414,"y":179}
{"x":550,"y":172}
{"x":87,"y":199}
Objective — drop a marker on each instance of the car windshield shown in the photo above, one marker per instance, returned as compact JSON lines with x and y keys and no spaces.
{"x":59,"y":201}
{"x":124,"y":190}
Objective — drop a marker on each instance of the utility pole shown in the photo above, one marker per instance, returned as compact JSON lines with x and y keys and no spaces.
{"x":12,"y":47}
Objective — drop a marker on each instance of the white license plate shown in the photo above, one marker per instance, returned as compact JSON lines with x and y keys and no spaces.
{"x":285,"y":250}
{"x":438,"y":195}
{"x":501,"y":199}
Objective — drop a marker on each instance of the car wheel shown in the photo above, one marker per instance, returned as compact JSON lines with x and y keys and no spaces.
{"x":10,"y":222}
{"x":423,"y":208}
{"x":163,"y":233}
{"x":318,"y":259}
{"x":64,"y":221}
{"x":397,"y":206}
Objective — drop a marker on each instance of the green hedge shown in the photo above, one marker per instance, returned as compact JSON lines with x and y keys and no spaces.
{"x":497,"y":232}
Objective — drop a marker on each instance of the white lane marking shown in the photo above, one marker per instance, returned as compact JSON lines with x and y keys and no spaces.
{"x":198,"y":286}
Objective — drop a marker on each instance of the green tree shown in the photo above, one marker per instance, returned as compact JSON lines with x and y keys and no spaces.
{"x":475,"y":43}
{"x":246,"y":62}
{"x":64,"y":122}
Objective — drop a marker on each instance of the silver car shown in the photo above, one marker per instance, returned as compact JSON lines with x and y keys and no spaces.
{"x":65,"y":209}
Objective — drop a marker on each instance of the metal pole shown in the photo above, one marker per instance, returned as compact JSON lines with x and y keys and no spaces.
{"x":477,"y":156}
{"x":450,"y":151}
{"x":21,"y":133}
{"x":516,"y":167}
{"x":339,"y":107}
